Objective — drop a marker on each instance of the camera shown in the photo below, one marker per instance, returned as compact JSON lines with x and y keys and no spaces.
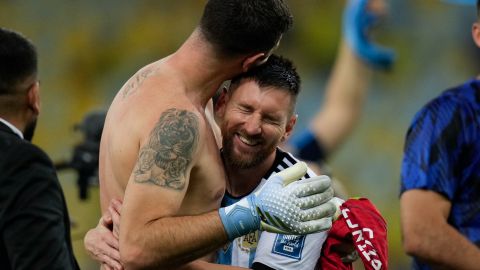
{"x":85,"y":154}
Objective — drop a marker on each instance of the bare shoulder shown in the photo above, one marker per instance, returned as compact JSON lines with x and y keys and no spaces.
{"x":136,"y":81}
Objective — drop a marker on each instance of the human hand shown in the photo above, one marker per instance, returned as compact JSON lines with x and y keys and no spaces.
{"x":102,"y":242}
{"x":359,"y":17}
{"x":114,"y":210}
{"x":283,"y":205}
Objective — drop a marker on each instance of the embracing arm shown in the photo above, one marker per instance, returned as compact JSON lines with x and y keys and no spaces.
{"x":427,"y":234}
{"x":102,"y":244}
{"x":151,"y":233}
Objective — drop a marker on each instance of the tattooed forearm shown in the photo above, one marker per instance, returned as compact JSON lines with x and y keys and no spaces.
{"x":164,"y":160}
{"x":136,"y":81}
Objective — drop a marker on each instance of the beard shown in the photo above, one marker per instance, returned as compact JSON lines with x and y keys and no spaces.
{"x":30,"y":130}
{"x":245,"y":159}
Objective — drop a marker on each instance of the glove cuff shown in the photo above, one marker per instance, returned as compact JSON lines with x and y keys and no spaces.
{"x":239,"y":219}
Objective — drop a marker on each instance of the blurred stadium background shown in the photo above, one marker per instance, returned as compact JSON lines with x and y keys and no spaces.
{"x":89,"y":48}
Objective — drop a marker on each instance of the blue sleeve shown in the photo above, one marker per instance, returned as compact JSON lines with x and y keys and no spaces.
{"x":307,"y":147}
{"x":433,"y":141}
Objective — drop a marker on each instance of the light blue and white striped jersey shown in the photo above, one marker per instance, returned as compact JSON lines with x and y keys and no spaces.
{"x":276,"y":251}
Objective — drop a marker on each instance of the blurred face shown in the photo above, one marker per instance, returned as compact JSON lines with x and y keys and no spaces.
{"x":253,"y":122}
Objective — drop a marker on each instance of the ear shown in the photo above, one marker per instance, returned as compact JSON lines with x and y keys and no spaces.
{"x":476,"y":33}
{"x":33,"y":98}
{"x":221,"y":103}
{"x":253,"y":61}
{"x":289,"y":129}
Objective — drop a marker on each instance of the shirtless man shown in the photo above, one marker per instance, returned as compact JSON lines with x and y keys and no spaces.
{"x":258,"y":107}
{"x":159,"y":153}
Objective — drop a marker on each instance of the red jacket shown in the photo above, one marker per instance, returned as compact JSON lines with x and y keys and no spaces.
{"x":360,"y":224}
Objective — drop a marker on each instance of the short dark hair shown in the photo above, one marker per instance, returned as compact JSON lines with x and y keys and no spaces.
{"x":245,"y":26}
{"x":18,"y":60}
{"x":277,"y":72}
{"x":478,"y":8}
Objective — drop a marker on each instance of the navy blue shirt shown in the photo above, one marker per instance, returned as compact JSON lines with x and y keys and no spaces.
{"x":442,"y":154}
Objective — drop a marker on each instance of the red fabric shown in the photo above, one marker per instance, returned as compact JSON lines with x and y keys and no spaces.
{"x":362,"y":225}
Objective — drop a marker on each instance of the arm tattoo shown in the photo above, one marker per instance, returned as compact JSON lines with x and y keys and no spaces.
{"x":164,"y":160}
{"x":136,"y":81}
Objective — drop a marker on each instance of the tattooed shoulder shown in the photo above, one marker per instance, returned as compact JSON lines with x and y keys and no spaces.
{"x":136,"y":81}
{"x":165,"y":159}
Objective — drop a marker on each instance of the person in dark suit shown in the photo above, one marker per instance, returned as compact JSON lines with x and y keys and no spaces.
{"x":34,"y":222}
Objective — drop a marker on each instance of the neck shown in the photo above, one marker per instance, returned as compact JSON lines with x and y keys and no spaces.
{"x":15,"y":121}
{"x":201,"y":69}
{"x":241,"y":182}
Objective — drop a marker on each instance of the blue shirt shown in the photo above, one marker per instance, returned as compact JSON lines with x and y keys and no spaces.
{"x":442,"y":154}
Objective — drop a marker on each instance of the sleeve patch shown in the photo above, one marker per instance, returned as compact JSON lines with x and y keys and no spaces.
{"x":290,"y":246}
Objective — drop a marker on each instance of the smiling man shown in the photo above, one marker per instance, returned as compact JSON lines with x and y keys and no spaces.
{"x":255,"y":114}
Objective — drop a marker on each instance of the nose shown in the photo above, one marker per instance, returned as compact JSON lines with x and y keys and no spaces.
{"x":253,"y":124}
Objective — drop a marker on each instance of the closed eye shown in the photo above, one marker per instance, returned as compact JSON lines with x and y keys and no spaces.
{"x":245,"y":108}
{"x":272,"y":120}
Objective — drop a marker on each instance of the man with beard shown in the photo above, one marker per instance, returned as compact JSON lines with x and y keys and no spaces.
{"x":34,"y":222}
{"x":167,"y":167}
{"x":346,"y":89}
{"x":255,"y":114}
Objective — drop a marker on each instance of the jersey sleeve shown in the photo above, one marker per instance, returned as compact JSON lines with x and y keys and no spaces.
{"x":431,"y":148}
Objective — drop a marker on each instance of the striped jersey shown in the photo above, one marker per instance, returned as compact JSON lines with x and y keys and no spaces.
{"x":275,"y":251}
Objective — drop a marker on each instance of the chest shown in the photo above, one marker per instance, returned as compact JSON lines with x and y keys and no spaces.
{"x":207,"y":180}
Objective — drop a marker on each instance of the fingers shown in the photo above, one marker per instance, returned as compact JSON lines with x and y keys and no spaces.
{"x":293,"y":173}
{"x":326,"y":210}
{"x":318,"y":225}
{"x":116,"y":205}
{"x":315,"y":200}
{"x":113,"y":244}
{"x":88,"y":243}
{"x":115,"y":220}
{"x":106,"y":219}
{"x":111,"y":267}
{"x":115,"y":209}
{"x":111,"y":263}
{"x":313,"y":185}
{"x":103,"y":247}
{"x":105,"y":267}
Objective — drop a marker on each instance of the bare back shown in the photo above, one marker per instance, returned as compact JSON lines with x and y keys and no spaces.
{"x":159,"y":143}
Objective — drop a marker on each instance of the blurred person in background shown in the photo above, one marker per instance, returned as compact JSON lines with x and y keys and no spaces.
{"x":346,"y":90}
{"x":440,"y":179}
{"x":34,"y":222}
